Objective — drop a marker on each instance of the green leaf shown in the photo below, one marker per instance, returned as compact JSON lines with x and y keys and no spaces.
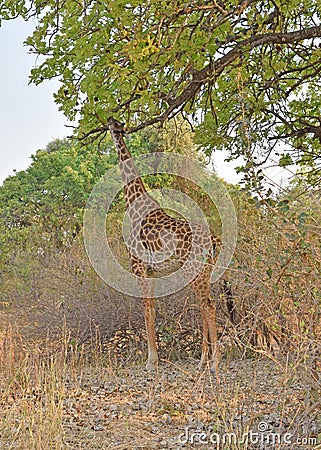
{"x":285,"y":160}
{"x":269,"y":272}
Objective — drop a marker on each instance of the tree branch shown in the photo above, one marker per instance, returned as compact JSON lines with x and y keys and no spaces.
{"x":216,"y":68}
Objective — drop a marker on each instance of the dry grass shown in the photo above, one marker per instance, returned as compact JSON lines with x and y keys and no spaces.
{"x":52,"y":397}
{"x":32,"y":394}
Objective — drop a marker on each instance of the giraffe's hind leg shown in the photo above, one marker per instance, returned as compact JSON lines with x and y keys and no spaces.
{"x":201,"y":287}
{"x":205,"y":338}
{"x":211,"y":320}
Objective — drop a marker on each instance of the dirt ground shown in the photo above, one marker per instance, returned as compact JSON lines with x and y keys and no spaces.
{"x":257,"y":405}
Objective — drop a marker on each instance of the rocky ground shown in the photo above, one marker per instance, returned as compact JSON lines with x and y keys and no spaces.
{"x":257,"y":405}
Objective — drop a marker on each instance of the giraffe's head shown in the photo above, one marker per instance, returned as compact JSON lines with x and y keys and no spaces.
{"x":115,"y":126}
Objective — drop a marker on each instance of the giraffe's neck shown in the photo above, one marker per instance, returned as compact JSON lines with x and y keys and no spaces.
{"x":133,"y":185}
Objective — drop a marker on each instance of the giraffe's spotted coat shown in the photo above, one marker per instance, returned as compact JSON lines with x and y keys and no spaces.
{"x":182,"y":245}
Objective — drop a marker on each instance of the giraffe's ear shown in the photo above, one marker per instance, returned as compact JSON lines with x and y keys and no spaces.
{"x":124,"y":130}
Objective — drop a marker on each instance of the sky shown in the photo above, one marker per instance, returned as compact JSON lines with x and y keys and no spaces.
{"x":29,"y":117}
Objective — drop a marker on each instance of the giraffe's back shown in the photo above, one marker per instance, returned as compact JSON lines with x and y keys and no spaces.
{"x":170,"y":242}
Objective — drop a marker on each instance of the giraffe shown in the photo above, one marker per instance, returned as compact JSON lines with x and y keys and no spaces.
{"x":185,"y":244}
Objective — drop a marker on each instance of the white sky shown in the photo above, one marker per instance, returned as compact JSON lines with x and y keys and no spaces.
{"x":29,"y":117}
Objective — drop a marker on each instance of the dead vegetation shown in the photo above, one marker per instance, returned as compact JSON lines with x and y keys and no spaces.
{"x":62,"y":396}
{"x":72,"y":350}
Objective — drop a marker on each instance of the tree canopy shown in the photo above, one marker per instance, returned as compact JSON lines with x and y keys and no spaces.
{"x":244,"y":73}
{"x":42,"y":206}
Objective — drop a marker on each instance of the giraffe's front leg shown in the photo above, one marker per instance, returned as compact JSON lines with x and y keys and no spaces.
{"x":149,"y":313}
{"x":205,"y":340}
{"x":146,"y":285}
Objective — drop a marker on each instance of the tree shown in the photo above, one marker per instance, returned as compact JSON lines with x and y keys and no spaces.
{"x":245,"y":72}
{"x":42,"y":206}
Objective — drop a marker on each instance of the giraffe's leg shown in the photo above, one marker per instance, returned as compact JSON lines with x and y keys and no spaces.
{"x":146,"y":286}
{"x":201,"y":287}
{"x":149,"y":313}
{"x":211,"y":320}
{"x":205,"y":341}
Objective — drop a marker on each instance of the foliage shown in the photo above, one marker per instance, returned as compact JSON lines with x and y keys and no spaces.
{"x":250,"y":70}
{"x":41,"y":207}
{"x":276,"y":273}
